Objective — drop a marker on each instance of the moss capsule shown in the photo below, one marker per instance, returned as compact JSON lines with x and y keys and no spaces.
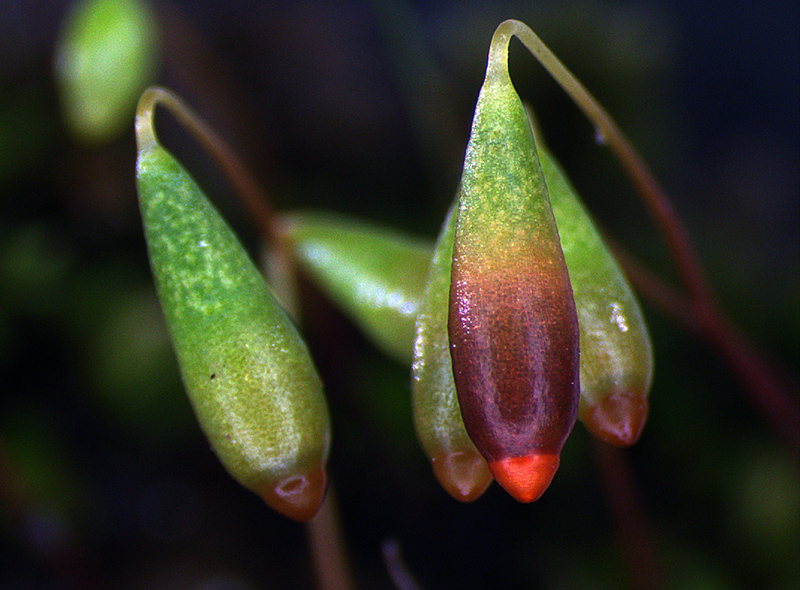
{"x":616,"y":365}
{"x":457,"y":464}
{"x":106,"y":56}
{"x":512,"y":322}
{"x":247,"y":371}
{"x":375,"y":275}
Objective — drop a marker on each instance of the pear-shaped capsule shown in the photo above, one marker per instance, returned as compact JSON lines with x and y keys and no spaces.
{"x":374,"y":275}
{"x":512,"y":322}
{"x":616,"y":365}
{"x":247,"y":371}
{"x":457,"y":464}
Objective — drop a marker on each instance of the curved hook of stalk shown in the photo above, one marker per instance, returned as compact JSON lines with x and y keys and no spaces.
{"x":654,"y":196}
{"x":247,"y":187}
{"x":656,"y":200}
{"x":277,"y":257}
{"x":769,"y":389}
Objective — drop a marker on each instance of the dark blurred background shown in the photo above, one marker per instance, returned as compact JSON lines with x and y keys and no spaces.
{"x":365,"y":108}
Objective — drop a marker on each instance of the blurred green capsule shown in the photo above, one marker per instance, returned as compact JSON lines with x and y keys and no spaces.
{"x":457,"y":464}
{"x":374,"y":275}
{"x":247,"y":371}
{"x":616,"y":365}
{"x":106,"y":55}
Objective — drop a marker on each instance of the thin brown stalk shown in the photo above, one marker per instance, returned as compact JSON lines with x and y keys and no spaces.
{"x":768,"y":387}
{"x":633,"y":527}
{"x":658,"y":204}
{"x":325,"y":540}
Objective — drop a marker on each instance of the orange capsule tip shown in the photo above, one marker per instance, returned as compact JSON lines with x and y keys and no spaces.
{"x":298,"y":496}
{"x":526,"y":477}
{"x":617,"y":420}
{"x":463,"y":474}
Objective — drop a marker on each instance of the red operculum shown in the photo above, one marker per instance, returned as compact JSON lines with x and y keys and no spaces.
{"x":525,"y":478}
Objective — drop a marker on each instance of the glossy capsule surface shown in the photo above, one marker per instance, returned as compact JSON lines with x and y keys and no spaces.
{"x":373,"y":274}
{"x":616,"y":367}
{"x":458,"y":466}
{"x":246,"y":369}
{"x":512,"y":324}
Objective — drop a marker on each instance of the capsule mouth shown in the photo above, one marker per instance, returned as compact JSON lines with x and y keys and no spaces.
{"x":463,"y":474}
{"x":298,"y":496}
{"x":618,"y":419}
{"x":527,"y":477}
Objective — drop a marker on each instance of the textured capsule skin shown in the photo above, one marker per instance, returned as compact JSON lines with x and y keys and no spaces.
{"x":457,"y":464}
{"x":248,"y":373}
{"x":616,"y":367}
{"x":512,"y":321}
{"x":376,"y":276}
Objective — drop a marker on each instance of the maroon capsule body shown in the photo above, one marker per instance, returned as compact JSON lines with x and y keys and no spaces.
{"x":512,"y":322}
{"x":514,"y":343}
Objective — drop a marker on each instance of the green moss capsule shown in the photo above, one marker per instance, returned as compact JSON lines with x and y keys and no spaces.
{"x":616,"y":366}
{"x":512,"y":322}
{"x":247,"y":371}
{"x":107,"y":54}
{"x":375,"y":275}
{"x":457,"y":464}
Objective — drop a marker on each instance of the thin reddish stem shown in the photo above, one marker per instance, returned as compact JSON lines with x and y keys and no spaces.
{"x":326,"y":544}
{"x":658,"y":204}
{"x":634,"y":530}
{"x":768,"y":387}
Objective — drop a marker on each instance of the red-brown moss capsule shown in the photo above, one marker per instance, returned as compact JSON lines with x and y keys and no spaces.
{"x":512,"y":321}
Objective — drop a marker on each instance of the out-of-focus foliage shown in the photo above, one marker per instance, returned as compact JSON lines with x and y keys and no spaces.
{"x":105,"y":478}
{"x":106,"y":56}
